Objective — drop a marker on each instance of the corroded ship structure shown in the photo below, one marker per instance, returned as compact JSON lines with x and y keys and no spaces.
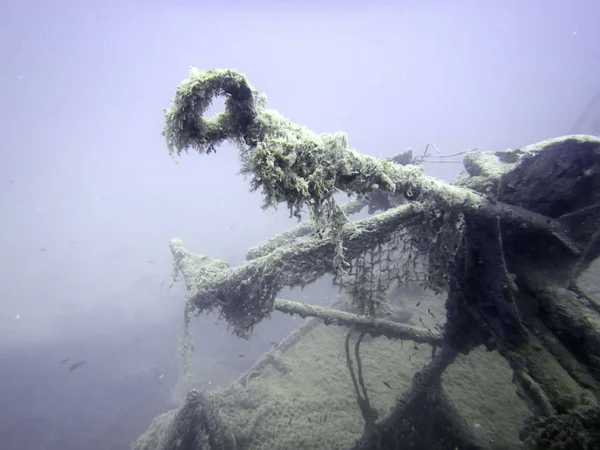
{"x":500,"y":254}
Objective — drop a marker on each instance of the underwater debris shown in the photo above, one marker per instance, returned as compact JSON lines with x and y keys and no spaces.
{"x":505,"y":242}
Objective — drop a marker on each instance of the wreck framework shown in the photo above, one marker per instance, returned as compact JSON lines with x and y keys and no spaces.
{"x":506,"y":243}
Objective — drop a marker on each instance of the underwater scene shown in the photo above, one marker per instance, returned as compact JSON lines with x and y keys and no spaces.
{"x":300,"y":225}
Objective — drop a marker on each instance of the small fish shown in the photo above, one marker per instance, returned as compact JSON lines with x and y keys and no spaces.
{"x":66,"y":360}
{"x":151,"y":262}
{"x":76,"y":365}
{"x":43,"y":249}
{"x":418,"y":304}
{"x":241,"y":355}
{"x":387,"y":384}
{"x":163,"y":283}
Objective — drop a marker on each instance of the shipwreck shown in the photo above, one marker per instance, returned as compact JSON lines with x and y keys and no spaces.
{"x":498,"y":257}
